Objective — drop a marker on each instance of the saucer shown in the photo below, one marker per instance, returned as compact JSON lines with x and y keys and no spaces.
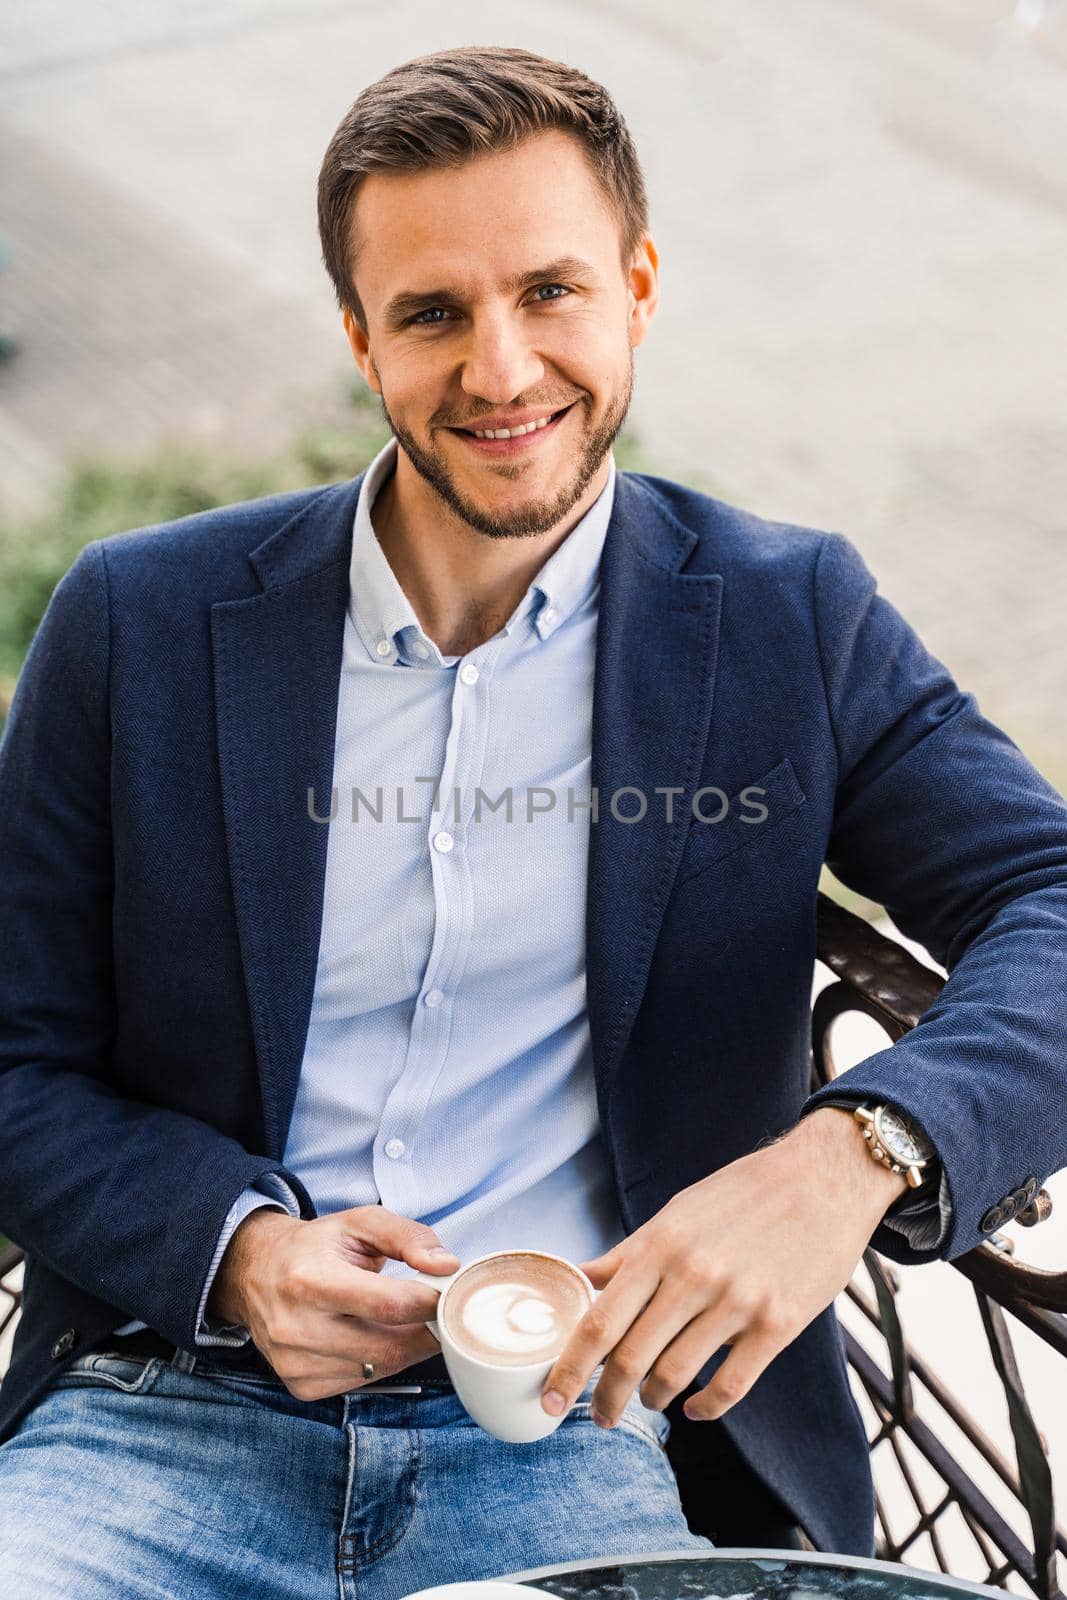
{"x":480,"y":1589}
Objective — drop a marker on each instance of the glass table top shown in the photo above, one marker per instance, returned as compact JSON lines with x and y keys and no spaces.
{"x":747,"y":1575}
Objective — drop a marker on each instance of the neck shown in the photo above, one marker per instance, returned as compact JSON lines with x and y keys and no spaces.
{"x":463,"y":584}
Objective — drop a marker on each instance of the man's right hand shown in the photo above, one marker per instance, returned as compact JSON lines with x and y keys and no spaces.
{"x":311,"y":1295}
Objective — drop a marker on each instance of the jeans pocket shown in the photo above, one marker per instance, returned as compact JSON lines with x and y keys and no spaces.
{"x":653,"y":1426}
{"x":132,"y":1374}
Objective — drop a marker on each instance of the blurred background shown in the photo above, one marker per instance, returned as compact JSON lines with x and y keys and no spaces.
{"x":861,"y":210}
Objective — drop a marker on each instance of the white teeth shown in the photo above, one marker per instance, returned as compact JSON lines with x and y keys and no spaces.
{"x":513,"y":433}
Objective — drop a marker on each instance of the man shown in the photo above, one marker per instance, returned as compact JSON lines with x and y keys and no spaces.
{"x":428,"y":864}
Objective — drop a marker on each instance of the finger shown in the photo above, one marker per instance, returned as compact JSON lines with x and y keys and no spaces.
{"x":599,"y":1331}
{"x":392,"y":1352}
{"x":314,"y":1373}
{"x":399,"y":1238}
{"x":603,"y":1268}
{"x":668,"y":1312}
{"x":750,"y":1356}
{"x":679,"y":1362}
{"x":331,"y":1285}
{"x":353,"y":1341}
{"x":340,"y":1341}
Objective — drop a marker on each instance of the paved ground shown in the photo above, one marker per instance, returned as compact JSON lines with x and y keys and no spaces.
{"x":862,"y":214}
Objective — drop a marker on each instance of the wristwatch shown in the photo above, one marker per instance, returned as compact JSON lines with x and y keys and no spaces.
{"x":894,"y":1140}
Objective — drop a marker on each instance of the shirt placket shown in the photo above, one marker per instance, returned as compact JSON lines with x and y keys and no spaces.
{"x":396,"y":1146}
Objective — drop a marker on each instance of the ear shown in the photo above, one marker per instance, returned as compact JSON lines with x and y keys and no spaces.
{"x":359,"y":345}
{"x":643,"y":289}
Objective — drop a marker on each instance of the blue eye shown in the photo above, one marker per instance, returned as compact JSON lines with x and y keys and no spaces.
{"x":439,"y":312}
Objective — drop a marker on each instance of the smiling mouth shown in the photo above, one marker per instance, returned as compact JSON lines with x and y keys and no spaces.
{"x":506,"y":434}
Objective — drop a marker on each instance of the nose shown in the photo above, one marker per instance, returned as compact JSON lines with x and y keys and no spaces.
{"x":499,"y":362}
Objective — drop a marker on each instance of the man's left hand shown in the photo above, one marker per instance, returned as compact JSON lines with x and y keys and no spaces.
{"x":745,"y":1258}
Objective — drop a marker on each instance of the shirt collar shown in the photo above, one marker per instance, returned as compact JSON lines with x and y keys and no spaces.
{"x":570,"y":573}
{"x":384,"y":617}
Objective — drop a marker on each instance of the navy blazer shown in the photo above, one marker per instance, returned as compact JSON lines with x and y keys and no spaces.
{"x":161,"y":896}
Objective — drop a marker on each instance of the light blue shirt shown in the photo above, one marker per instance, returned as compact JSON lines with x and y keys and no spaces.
{"x":448,"y":1071}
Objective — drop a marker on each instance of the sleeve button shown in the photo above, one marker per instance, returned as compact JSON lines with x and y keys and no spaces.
{"x":993,"y":1219}
{"x":64,"y":1344}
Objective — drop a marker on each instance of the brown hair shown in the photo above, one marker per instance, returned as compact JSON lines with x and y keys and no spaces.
{"x":440,"y":110}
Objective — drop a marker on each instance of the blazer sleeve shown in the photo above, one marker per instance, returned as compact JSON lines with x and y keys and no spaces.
{"x":122,"y":1198}
{"x":940,"y":818}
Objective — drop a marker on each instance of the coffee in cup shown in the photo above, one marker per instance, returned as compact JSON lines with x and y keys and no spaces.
{"x":515,"y":1309}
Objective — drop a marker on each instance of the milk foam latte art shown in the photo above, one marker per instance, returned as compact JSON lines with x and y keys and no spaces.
{"x":516,"y":1309}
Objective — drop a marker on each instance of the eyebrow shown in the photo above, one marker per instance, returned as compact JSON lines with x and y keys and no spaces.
{"x":408,"y":302}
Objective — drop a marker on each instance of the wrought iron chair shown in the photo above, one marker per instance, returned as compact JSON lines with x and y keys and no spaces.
{"x":880,"y":979}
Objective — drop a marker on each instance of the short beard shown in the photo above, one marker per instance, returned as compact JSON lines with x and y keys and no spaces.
{"x":541,"y":515}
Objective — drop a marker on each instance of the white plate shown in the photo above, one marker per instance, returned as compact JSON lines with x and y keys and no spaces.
{"x":480,"y":1591}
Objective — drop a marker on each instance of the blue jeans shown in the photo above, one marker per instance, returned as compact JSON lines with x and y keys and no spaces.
{"x":135,"y":1477}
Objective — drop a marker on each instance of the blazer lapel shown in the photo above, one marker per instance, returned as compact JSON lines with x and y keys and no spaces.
{"x":657,"y":644}
{"x":277,"y":663}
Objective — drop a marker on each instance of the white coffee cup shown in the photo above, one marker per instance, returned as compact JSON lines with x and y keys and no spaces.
{"x":504,"y":1400}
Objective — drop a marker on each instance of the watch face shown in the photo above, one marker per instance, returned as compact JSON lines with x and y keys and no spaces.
{"x":899,"y":1135}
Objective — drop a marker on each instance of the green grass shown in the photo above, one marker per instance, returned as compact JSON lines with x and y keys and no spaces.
{"x":869,"y":910}
{"x":102,"y":496}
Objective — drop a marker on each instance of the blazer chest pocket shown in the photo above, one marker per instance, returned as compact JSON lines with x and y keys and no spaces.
{"x":753,"y":814}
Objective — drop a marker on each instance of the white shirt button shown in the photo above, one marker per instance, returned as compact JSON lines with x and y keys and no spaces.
{"x":395,"y":1149}
{"x":548,"y":614}
{"x":443,"y":842}
{"x":384,"y":648}
{"x":432,"y":997}
{"x":468,"y":673}
{"x":419,"y":649}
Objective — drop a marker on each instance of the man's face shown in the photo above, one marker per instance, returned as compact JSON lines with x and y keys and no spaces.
{"x":494,"y":295}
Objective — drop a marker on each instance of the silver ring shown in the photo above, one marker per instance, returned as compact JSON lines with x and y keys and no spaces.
{"x":368,"y":1371}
